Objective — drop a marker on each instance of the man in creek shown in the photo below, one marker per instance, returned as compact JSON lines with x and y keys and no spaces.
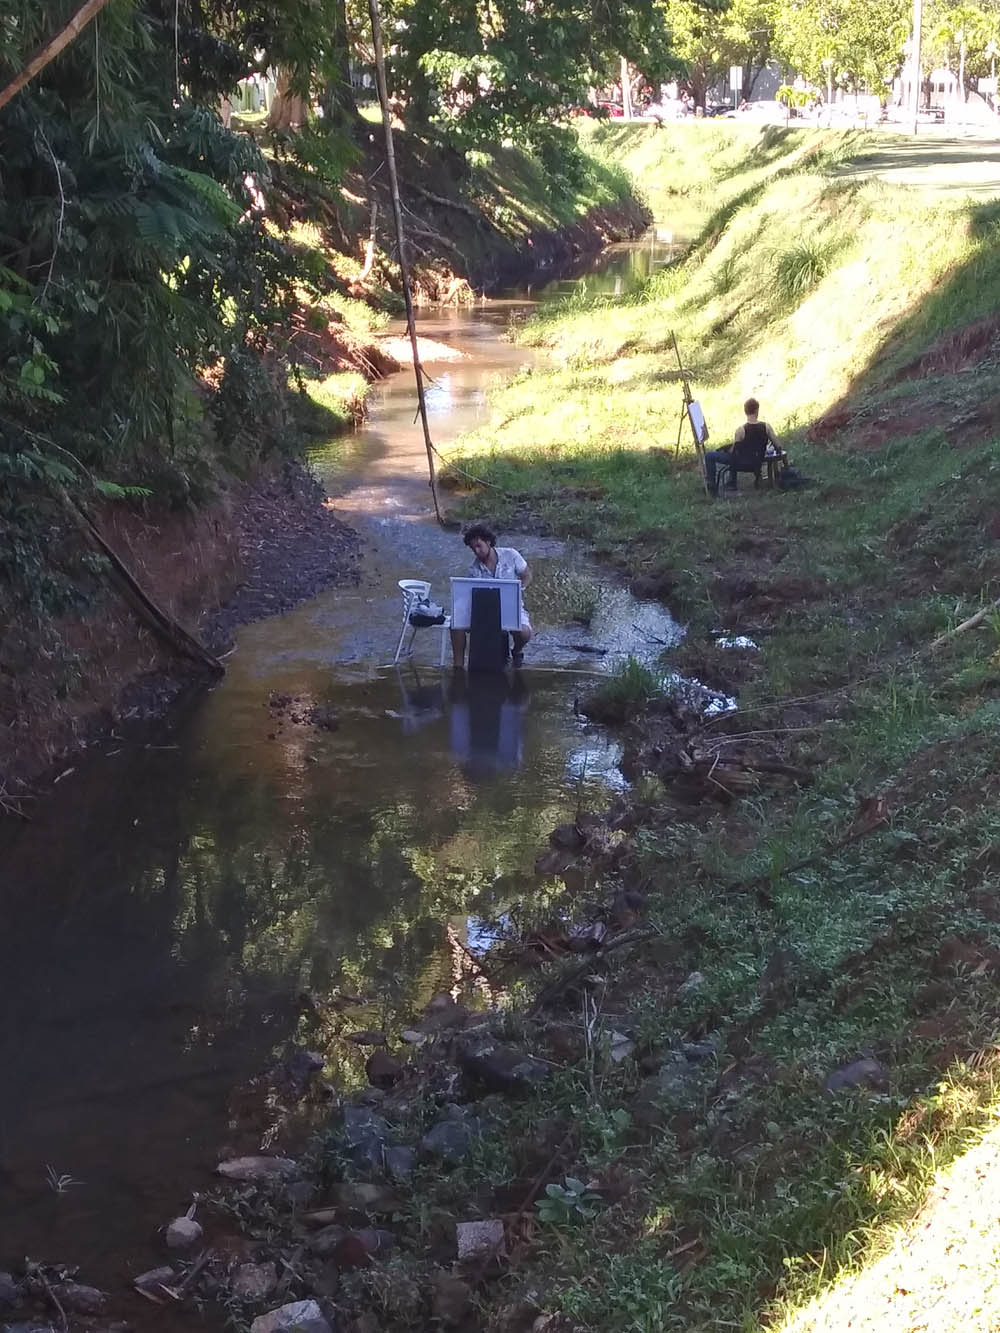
{"x":749,"y":446}
{"x":494,"y":562}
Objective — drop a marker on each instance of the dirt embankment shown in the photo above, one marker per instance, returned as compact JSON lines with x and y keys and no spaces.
{"x":466,"y":231}
{"x":261,"y":548}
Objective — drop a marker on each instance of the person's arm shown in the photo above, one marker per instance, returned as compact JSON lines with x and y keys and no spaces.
{"x":773,"y":438}
{"x":521,"y":569}
{"x":738,"y":435}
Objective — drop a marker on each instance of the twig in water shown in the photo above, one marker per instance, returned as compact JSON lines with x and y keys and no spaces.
{"x":35,"y":1270}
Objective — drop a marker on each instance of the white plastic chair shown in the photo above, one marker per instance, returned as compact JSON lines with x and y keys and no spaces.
{"x":414,"y":591}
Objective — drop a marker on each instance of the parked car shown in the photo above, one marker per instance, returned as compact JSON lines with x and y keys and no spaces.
{"x":614,"y":109}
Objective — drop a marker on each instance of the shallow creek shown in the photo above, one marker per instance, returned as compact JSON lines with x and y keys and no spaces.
{"x":169,"y":904}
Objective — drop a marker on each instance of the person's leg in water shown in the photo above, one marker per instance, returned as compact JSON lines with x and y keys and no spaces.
{"x":458,"y":638}
{"x":519,"y":640}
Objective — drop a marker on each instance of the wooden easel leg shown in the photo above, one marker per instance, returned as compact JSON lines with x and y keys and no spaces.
{"x":704,"y":470}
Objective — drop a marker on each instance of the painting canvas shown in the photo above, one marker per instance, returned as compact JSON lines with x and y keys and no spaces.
{"x":698,"y":423}
{"x":510,"y":601}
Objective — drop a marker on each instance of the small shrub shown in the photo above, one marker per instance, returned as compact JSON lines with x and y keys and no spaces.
{"x":625,"y":694}
{"x":802,"y":267}
{"x":565,"y":1205}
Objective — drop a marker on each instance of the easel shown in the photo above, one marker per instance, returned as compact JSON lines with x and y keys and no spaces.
{"x":691,"y":413}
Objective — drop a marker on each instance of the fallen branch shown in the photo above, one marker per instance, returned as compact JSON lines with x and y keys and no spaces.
{"x":971,"y":623}
{"x":154,"y":617}
{"x":35,"y":1270}
{"x":627,"y":937}
{"x":869,"y":821}
{"x":526,"y":1203}
{"x":446,"y":203}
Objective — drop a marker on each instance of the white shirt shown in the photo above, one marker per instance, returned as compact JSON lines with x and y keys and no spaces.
{"x":510,"y":564}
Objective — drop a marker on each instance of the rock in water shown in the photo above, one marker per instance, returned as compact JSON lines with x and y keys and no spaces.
{"x":442,"y":1014}
{"x":156,"y":1278}
{"x":383,"y":1070}
{"x":183,"y":1233}
{"x":502,"y":1068}
{"x":299,"y":1317}
{"x":257,"y":1168}
{"x":252,"y":1282}
{"x":78,"y":1298}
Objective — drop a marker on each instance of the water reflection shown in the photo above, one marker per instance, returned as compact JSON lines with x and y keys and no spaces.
{"x":167,"y":906}
{"x":487,"y":712}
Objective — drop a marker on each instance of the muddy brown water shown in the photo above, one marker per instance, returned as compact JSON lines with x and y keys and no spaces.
{"x":163,"y":912}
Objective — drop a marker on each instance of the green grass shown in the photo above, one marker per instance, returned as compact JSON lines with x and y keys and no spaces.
{"x":759,"y":1193}
{"x":330,"y":405}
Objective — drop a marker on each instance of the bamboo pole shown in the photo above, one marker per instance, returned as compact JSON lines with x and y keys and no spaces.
{"x":397,"y":213}
{"x":51,"y":49}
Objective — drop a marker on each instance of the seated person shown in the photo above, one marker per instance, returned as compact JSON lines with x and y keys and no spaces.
{"x":748,"y":449}
{"x":494,"y":562}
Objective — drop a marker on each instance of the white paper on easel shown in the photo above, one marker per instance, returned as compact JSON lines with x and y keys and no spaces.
{"x":698,"y":424}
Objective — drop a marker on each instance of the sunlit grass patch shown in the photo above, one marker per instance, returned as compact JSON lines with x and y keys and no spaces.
{"x":939,"y":1269}
{"x":331,"y":404}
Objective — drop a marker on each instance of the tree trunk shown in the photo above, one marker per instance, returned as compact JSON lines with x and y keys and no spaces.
{"x":626,"y":90}
{"x":52,"y":48}
{"x":339,"y":107}
{"x":288,"y":109}
{"x":961,"y":68}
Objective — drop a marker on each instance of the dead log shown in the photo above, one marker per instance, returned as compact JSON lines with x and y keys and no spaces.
{"x":160,"y":622}
{"x":444,"y":202}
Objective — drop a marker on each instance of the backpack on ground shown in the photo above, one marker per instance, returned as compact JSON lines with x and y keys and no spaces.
{"x":791,"y":479}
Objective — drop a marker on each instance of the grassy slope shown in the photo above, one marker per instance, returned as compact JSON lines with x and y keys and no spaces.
{"x":501,"y":199}
{"x":760,"y":1190}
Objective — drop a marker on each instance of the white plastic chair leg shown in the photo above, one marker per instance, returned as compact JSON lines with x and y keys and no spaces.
{"x":402,"y":636}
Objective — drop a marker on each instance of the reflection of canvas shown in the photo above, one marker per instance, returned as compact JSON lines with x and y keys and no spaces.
{"x":698,"y":424}
{"x":510,"y":601}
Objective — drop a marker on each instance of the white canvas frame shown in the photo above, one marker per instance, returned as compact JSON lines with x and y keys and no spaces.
{"x":510,"y":601}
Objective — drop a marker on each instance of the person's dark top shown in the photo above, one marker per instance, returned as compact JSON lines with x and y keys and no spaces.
{"x":750,"y":451}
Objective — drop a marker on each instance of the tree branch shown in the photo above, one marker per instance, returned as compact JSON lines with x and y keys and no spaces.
{"x":51,"y":49}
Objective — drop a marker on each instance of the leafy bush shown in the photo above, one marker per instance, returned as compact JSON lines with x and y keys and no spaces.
{"x":566,"y":1205}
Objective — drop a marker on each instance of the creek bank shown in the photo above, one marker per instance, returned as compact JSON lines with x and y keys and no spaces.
{"x":261,"y":548}
{"x":484,"y":228}
{"x":100,"y":670}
